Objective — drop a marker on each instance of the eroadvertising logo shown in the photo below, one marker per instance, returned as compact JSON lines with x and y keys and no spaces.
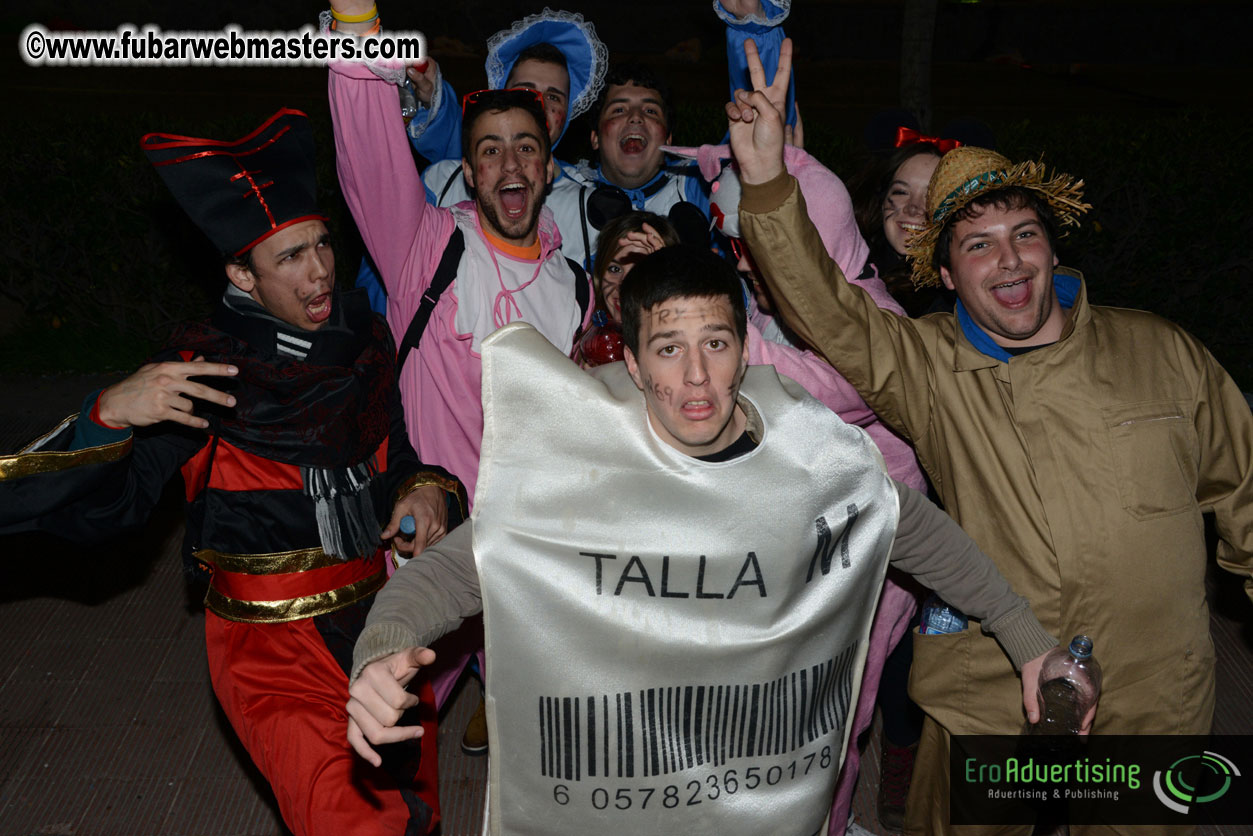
{"x":1107,"y":779}
{"x":1173,"y":787}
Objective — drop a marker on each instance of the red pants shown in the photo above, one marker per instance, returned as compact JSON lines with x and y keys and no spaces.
{"x":285,"y":695}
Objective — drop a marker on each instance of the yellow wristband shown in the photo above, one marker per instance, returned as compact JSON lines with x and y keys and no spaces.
{"x":361,"y":18}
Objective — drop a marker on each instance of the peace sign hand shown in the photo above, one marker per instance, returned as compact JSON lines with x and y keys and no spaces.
{"x":756,"y":119}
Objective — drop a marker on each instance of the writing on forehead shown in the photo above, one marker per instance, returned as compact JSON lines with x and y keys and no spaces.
{"x":667,"y":312}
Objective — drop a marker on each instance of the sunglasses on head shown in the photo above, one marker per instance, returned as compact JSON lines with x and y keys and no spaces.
{"x":510,"y":96}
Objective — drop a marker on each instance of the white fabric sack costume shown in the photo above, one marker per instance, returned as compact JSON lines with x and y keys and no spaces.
{"x":673,"y":646}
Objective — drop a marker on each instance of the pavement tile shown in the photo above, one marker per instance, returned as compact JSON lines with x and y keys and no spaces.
{"x":50,"y":807}
{"x":224,"y":807}
{"x":27,"y":619}
{"x":13,"y":654}
{"x":74,"y":755}
{"x":128,"y":659}
{"x":157,"y":752}
{"x":19,"y":751}
{"x":159,"y":609}
{"x":129,"y":806}
{"x":190,"y":704}
{"x":185,"y":661}
{"x":34,"y":704}
{"x":56,"y":659}
{"x":86,"y":618}
{"x":102,"y":703}
{"x":150,"y":617}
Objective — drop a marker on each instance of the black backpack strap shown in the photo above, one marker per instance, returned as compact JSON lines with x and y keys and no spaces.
{"x":444,"y":275}
{"x":456,"y":172}
{"x":582,"y":290}
{"x":582,"y":295}
{"x":587,"y":241}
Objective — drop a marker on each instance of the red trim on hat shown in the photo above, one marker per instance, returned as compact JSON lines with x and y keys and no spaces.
{"x":225,"y":153}
{"x":147,"y":141}
{"x":284,"y":225}
{"x":254,"y":188}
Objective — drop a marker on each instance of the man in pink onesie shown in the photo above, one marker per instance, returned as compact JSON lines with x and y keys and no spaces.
{"x":510,"y":267}
{"x":500,"y":250}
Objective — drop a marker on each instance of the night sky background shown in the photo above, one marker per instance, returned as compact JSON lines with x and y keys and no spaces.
{"x":1146,"y":101}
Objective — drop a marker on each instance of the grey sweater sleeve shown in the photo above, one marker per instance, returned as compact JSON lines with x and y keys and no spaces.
{"x":426,"y":598}
{"x":933,"y":548}
{"x":431,"y":594}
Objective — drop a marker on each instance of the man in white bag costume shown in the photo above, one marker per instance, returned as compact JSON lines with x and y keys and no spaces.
{"x":676,"y":588}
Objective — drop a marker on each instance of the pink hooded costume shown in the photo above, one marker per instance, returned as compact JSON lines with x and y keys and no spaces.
{"x":440,"y":383}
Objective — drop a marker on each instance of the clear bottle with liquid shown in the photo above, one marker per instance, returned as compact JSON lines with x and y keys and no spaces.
{"x":408,"y":101}
{"x":1070,"y":684}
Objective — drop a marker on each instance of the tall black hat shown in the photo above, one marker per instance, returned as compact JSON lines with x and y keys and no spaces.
{"x":239,"y":193}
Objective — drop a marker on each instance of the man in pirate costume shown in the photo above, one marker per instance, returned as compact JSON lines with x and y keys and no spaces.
{"x":677,"y":559}
{"x":1078,"y":444}
{"x":283,"y":415}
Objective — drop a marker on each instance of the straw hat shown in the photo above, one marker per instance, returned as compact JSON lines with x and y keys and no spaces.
{"x":967,"y":172}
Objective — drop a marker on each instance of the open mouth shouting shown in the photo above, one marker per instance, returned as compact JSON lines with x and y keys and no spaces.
{"x":513,"y":200}
{"x":318,"y":309}
{"x":1014,"y":293}
{"x":633,"y":143}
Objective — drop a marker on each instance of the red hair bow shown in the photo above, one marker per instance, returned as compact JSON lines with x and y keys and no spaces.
{"x":908,"y":136}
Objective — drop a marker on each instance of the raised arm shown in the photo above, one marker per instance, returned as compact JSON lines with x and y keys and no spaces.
{"x":378,"y":176}
{"x":761,"y":22}
{"x":880,"y":353}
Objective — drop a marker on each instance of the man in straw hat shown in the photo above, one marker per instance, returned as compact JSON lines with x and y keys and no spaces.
{"x":282,"y":414}
{"x":1078,"y":445}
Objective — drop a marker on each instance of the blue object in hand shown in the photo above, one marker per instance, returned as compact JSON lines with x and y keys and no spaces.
{"x":407,"y":526}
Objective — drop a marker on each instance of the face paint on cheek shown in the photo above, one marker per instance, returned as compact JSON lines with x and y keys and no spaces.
{"x":664,"y":394}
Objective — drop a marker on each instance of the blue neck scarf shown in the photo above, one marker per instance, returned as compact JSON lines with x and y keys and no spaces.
{"x":1067,"y":290}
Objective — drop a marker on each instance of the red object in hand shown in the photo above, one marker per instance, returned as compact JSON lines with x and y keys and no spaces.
{"x":602,"y":343}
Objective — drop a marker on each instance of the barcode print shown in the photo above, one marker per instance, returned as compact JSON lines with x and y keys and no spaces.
{"x":659,"y":731}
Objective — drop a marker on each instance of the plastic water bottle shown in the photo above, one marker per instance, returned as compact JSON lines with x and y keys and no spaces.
{"x":408,"y":101}
{"x":939,"y":617}
{"x":602,"y":343}
{"x":407,"y":527}
{"x":1070,"y":684}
